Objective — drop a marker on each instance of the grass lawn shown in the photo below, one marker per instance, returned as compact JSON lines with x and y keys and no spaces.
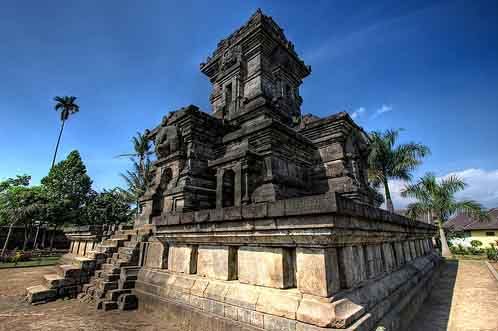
{"x":34,"y":262}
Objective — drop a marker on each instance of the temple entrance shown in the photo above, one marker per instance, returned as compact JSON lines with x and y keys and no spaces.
{"x":228,"y":188}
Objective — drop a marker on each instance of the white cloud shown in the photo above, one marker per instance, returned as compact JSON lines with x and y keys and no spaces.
{"x":482,"y":186}
{"x":383,"y":109}
{"x":357,"y":112}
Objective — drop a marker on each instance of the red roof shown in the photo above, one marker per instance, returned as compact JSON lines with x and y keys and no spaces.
{"x":463,"y":222}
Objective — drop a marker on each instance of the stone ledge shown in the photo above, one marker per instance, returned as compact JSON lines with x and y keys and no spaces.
{"x":374,"y":298}
{"x":304,"y":206}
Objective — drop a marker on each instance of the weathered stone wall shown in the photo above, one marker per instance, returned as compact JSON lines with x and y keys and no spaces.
{"x":305,"y":263}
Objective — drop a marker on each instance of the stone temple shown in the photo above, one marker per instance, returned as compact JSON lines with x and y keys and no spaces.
{"x":258,"y":217}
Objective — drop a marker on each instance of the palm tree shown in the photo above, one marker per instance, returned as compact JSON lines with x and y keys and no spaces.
{"x":141,"y":147}
{"x":67,"y":106}
{"x":387,"y":161}
{"x":437,"y":198}
{"x":140,"y":176}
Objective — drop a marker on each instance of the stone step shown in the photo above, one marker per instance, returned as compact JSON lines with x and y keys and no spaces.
{"x":55,"y":281}
{"x":109,"y":268}
{"x":69,"y":271}
{"x":84,"y":263}
{"x":106,"y":305}
{"x":126,"y":284}
{"x":113,"y":295}
{"x":106,"y":286}
{"x":106,"y":249}
{"x":127,"y":302}
{"x":109,"y":277}
{"x":127,"y":251}
{"x":131,"y":244}
{"x":130,"y":271}
{"x":123,"y":237}
{"x":40,"y":293}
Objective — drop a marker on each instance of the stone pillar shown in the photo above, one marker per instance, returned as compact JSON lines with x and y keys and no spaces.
{"x":237,"y":186}
{"x":266,"y":266}
{"x":400,"y":255}
{"x":218,"y":262}
{"x":182,"y":258}
{"x":389,"y":259}
{"x":407,"y":251}
{"x":71,"y":247}
{"x":413,"y":249}
{"x":375,"y":264}
{"x":219,"y":188}
{"x":352,"y":264}
{"x":317,"y":271}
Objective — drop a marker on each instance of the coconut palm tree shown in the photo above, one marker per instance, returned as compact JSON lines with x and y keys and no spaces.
{"x":141,"y":150}
{"x":139,"y":177}
{"x":67,"y":106}
{"x":437,"y":198}
{"x":387,"y":161}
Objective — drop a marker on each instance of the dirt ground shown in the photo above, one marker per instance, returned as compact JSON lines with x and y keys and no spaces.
{"x":16,"y":315}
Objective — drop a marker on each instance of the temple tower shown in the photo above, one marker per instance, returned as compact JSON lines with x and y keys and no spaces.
{"x":256,"y":72}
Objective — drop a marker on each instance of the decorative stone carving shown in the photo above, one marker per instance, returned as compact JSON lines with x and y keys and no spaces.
{"x":167,"y":140}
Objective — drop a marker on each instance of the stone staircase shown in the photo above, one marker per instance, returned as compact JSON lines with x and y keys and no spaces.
{"x":110,"y":288}
{"x":105,"y":275}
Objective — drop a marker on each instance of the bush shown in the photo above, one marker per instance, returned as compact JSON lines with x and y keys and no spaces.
{"x":492,"y":254}
{"x":15,"y":257}
{"x":476,"y":243}
{"x":459,"y":250}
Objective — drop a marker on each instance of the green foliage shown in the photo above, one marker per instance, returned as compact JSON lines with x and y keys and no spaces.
{"x":438,"y":198}
{"x":108,"y":207}
{"x":492,"y":253}
{"x":68,"y":187}
{"x":140,"y":176}
{"x":21,"y":204}
{"x":476,"y":243}
{"x":390,"y":161}
{"x":20,"y":180}
{"x":66,"y":105}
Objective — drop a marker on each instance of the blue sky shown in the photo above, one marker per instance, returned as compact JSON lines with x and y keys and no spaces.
{"x":428,"y":67}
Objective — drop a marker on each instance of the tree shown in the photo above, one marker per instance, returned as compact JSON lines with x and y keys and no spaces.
{"x":20,"y":204}
{"x":67,"y":106}
{"x":387,"y":161}
{"x":108,"y":207}
{"x":139,"y":177}
{"x":67,"y":186}
{"x":437,"y":198}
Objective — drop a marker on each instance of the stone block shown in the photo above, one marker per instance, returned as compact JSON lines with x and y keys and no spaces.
{"x":218,"y":262}
{"x":39,"y":293}
{"x":407,"y":251}
{"x":231,"y":312}
{"x":375,"y":264}
{"x":242,"y":295}
{"x":338,"y":314}
{"x":199,"y":287}
{"x":250,"y":317}
{"x":215,"y":307}
{"x":182,"y":258}
{"x":278,"y":303}
{"x":389,"y":258}
{"x":400,"y":255}
{"x":266,"y":266}
{"x":54,"y":281}
{"x":157,"y":255}
{"x":198,"y":302}
{"x":217,"y":291}
{"x":352,"y":264}
{"x":317,"y":271}
{"x":255,"y":210}
{"x":274,"y":323}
